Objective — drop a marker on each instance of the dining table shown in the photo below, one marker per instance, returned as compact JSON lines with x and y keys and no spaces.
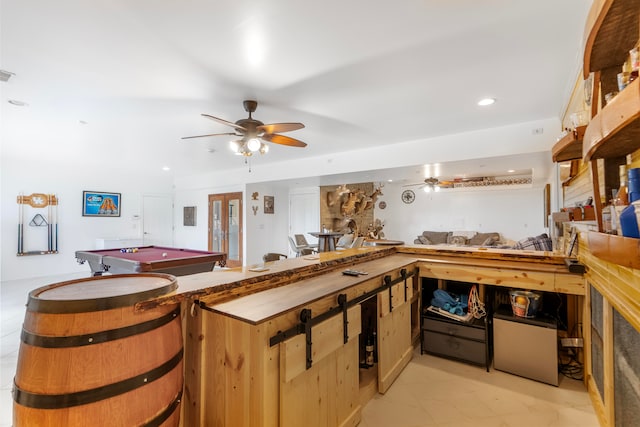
{"x":327,"y":239}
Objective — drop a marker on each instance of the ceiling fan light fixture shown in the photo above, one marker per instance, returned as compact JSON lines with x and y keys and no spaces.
{"x":253,"y":144}
{"x":264,"y":148}
{"x":235,"y":146}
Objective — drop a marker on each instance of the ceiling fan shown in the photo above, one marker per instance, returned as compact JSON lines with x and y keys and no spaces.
{"x":432,"y":184}
{"x":435,"y":184}
{"x":254,"y":134}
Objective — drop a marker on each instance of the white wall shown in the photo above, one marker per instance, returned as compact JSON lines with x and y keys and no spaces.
{"x":266,"y":232}
{"x":197,"y":195}
{"x":514,"y":213}
{"x":30,"y":173}
{"x":75,"y":231}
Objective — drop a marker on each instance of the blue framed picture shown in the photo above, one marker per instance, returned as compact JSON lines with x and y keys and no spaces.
{"x":96,"y":203}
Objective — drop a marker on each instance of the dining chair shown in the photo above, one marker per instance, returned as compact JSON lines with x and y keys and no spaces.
{"x":297,"y":249}
{"x":345,"y":241}
{"x":301,"y":240}
{"x":357,"y":242}
{"x":273,"y":256}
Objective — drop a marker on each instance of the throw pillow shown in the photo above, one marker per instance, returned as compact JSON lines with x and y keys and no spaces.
{"x":437,"y":237}
{"x":424,"y":240}
{"x":457,"y":240}
{"x":480,"y":238}
{"x":538,"y":243}
{"x":491,"y":241}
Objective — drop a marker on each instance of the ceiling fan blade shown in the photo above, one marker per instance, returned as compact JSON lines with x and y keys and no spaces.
{"x":279,"y":127}
{"x":284,"y":140}
{"x":413,"y":185}
{"x":211,"y":134}
{"x":223,"y":121}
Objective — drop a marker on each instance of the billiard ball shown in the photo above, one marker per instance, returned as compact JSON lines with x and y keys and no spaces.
{"x":135,"y":250}
{"x":164,"y":254}
{"x":123,"y":250}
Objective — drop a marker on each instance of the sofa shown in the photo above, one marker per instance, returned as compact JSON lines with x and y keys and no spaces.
{"x":541,"y":242}
{"x":457,"y":238}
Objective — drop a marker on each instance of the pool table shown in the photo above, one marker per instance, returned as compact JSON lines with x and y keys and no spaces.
{"x":151,"y":259}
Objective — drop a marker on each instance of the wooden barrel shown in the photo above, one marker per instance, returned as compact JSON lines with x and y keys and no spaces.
{"x":88,"y":358}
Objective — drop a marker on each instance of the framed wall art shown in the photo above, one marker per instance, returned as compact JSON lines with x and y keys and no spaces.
{"x":96,"y":203}
{"x":189,"y":216}
{"x":268,"y":204}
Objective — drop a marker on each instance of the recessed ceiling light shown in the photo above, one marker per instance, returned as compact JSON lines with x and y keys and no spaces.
{"x":511,"y":171}
{"x":166,"y":168}
{"x":486,"y":101}
{"x":17,"y":103}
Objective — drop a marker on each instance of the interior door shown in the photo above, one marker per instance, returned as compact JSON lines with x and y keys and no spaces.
{"x":225,"y":226}
{"x":157,"y":220}
{"x":304,"y":214}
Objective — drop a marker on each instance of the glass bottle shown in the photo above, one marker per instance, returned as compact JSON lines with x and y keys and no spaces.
{"x":622,"y":197}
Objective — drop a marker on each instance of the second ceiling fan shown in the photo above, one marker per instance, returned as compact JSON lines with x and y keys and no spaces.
{"x":254,"y":134}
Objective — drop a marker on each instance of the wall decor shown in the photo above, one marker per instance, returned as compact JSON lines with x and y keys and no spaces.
{"x":254,"y":195}
{"x":35,"y":203}
{"x":349,"y":207}
{"x":382,"y":204}
{"x":268,"y":204}
{"x":189,"y":216}
{"x":97,"y":203}
{"x":255,"y":209}
{"x":408,"y":196}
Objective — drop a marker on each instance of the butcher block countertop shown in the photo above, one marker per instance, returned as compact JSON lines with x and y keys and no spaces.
{"x":223,"y":285}
{"x":257,"y":308}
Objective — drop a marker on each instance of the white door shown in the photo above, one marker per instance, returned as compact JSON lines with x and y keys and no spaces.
{"x":157,"y":220}
{"x":304,"y":213}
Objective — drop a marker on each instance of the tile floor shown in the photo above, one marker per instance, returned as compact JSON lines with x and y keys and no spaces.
{"x":431,"y":391}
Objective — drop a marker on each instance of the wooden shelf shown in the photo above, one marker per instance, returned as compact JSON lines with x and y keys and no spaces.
{"x":570,"y":146}
{"x":615,"y":130}
{"x":620,"y":250}
{"x":610,"y":32}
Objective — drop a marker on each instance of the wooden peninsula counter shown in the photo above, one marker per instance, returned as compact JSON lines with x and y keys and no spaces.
{"x":285,"y":346}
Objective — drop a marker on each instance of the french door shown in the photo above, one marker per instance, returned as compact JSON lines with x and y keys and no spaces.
{"x":225,"y":226}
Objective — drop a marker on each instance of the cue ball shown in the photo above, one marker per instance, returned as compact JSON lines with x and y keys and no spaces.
{"x":164,"y":254}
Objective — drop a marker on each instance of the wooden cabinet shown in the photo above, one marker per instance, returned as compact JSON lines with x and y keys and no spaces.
{"x":613,"y":28}
{"x":464,"y":341}
{"x":290,"y":355}
{"x":467,"y":342}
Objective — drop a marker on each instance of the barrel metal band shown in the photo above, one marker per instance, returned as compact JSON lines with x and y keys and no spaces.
{"x":68,"y":400}
{"x":63,"y":306}
{"x":97,"y":337}
{"x":166,"y":413}
{"x":300,"y":328}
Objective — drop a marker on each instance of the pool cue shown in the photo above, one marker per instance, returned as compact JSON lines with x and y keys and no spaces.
{"x":20,"y":224}
{"x":50,"y":224}
{"x":56,"y":213}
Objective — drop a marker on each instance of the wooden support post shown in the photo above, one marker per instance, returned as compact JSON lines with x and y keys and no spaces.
{"x":597,"y":202}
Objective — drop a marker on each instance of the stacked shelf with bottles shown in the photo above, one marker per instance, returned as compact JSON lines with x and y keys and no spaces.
{"x":613,"y":28}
